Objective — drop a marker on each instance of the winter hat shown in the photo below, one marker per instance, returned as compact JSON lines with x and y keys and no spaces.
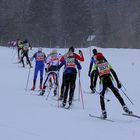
{"x":94,"y":51}
{"x":99,"y":56}
{"x":71,"y":49}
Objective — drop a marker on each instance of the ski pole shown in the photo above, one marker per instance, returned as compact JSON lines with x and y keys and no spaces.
{"x":58,"y":86}
{"x":28,"y":79}
{"x":48,"y":95}
{"x":81,"y":91}
{"x":108,"y":100}
{"x":127,"y":97}
{"x":48,"y":80}
{"x":123,"y":87}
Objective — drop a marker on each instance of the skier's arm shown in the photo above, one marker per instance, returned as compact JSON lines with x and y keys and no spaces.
{"x":78,"y":65}
{"x":61,"y":64}
{"x":90,"y":66}
{"x":34,"y":56}
{"x":79,"y":57}
{"x":62,"y":58}
{"x":95,"y":79}
{"x":116,"y":78}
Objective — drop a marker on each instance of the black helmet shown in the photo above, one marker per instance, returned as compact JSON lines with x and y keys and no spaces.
{"x":71,"y":49}
{"x":94,"y":51}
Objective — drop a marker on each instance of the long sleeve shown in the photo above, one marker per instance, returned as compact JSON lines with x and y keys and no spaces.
{"x":91,"y":64}
{"x":115,"y":75}
{"x":78,"y":65}
{"x":61,"y":64}
{"x":79,"y":57}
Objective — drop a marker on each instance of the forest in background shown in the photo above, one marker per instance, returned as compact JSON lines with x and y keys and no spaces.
{"x":62,"y":23}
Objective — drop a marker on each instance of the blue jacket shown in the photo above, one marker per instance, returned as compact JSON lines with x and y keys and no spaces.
{"x":91,"y":63}
{"x":40,"y":58}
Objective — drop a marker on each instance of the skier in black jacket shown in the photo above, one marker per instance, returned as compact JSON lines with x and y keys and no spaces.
{"x":104,"y":70}
{"x":25,"y":53}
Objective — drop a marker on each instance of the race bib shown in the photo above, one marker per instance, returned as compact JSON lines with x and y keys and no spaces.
{"x":40,"y":56}
{"x":70,"y":62}
{"x":54,"y":57}
{"x":103,"y":68}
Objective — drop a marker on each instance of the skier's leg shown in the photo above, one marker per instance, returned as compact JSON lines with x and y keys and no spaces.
{"x":72,"y":88}
{"x":41,"y":77}
{"x":35,"y":77}
{"x":27,"y":59}
{"x":117,"y":95}
{"x":23,"y":60}
{"x":120,"y":99}
{"x":66,"y":90}
{"x":102,"y":102}
{"x":91,"y":79}
{"x":62,"y":87}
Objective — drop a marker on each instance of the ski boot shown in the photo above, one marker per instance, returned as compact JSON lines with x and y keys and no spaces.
{"x":55,"y":92}
{"x":34,"y":83}
{"x":70,"y":103}
{"x":125,"y":108}
{"x":63,"y":104}
{"x":42,"y":92}
{"x":33,"y":88}
{"x":40,"y":87}
{"x":92,"y":89}
{"x":104,"y":114}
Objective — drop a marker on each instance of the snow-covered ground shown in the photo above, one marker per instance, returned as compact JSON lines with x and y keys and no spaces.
{"x":25,"y":116}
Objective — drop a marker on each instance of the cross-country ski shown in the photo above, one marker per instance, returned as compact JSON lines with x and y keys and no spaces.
{"x":99,"y":117}
{"x":131,"y":115}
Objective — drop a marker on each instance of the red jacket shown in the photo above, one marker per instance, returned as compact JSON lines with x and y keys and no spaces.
{"x":78,"y":57}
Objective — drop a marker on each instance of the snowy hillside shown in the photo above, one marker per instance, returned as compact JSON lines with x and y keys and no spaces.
{"x":25,"y":116}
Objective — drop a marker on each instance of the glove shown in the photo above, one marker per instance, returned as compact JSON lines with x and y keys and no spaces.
{"x":89,"y":73}
{"x":119,"y":85}
{"x":80,"y":52}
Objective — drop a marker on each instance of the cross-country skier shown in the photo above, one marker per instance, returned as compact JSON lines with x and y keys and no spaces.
{"x":79,"y":57}
{"x":91,"y":71}
{"x":25,"y":53}
{"x":40,"y":59}
{"x":52,"y":62}
{"x":104,"y":70}
{"x":19,"y":48}
{"x":70,"y":72}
